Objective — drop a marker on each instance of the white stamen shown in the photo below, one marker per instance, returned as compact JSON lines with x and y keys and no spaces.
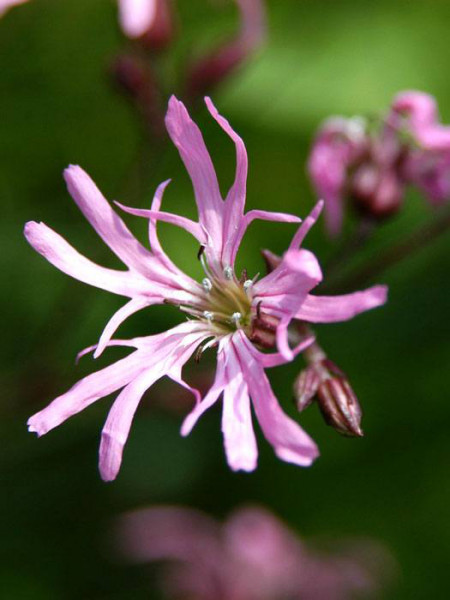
{"x":248,"y":284}
{"x":207,"y":285}
{"x":209,"y":316}
{"x":228,"y":272}
{"x":236,"y":317}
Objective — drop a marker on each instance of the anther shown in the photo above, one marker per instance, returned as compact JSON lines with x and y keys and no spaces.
{"x":200,"y":251}
{"x":258,"y":309}
{"x":228,"y":272}
{"x":244,"y":276}
{"x":247,"y":284}
{"x":207,"y":285}
{"x":236,"y":317}
{"x":209,"y":316}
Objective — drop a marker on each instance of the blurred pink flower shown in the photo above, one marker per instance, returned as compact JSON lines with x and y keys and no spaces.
{"x":223,"y":308}
{"x":418,"y":114}
{"x":252,"y":556}
{"x":218,"y":63}
{"x":428,"y":163}
{"x":371,"y":164}
{"x":7,"y":4}
{"x":136,"y":16}
{"x":339,"y":143}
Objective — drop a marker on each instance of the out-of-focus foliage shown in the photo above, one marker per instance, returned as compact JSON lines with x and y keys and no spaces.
{"x":57,"y":106}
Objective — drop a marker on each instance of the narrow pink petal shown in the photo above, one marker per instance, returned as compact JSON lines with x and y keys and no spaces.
{"x":117,"y":319}
{"x":190,"y":226}
{"x":117,"y":426}
{"x":175,"y":375}
{"x":126,"y":343}
{"x":231,"y":244}
{"x":330,"y":309}
{"x":106,"y":222}
{"x":188,"y":139}
{"x":239,"y":438}
{"x":235,"y":200}
{"x":179,"y":278}
{"x":152,"y":232}
{"x":237,"y":192}
{"x":304,"y":228}
{"x":64,"y":257}
{"x":136,"y":16}
{"x":288,"y":439}
{"x":214,"y":392}
{"x":275,"y":359}
{"x":177,"y":343}
{"x":289,"y":283}
{"x":86,"y":391}
{"x":170,"y":352}
{"x":7,"y":4}
{"x":283,"y":291}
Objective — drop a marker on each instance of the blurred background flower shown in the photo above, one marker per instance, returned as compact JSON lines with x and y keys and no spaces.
{"x":321,"y":58}
{"x":366,"y":164}
{"x":252,"y":556}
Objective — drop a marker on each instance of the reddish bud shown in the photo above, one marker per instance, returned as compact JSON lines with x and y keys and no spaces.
{"x":305,"y":387}
{"x":216,"y":66}
{"x":136,"y":80}
{"x":339,"y":406}
{"x":375,"y":191}
{"x":264,"y":329}
{"x":161,"y":33}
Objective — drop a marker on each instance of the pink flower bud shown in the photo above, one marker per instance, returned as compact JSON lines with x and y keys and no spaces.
{"x":7,"y":4}
{"x":323,"y":381}
{"x":264,"y":330}
{"x":161,"y":34}
{"x":339,"y":406}
{"x":219,"y":63}
{"x":305,"y":387}
{"x":338,"y":145}
{"x":377,"y":192}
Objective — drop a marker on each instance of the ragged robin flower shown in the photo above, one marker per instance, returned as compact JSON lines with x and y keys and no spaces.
{"x":227,"y":312}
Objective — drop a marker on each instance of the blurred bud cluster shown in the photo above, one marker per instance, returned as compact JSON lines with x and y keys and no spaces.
{"x":367,"y":163}
{"x":153,"y":27}
{"x":252,"y":556}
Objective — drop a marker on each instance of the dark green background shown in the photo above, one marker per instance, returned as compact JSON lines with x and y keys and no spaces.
{"x":57,"y":107}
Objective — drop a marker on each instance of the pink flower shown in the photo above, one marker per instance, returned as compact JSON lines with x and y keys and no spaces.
{"x":418,"y":115}
{"x":137,"y":16}
{"x":222,"y":308}
{"x":372,"y":166}
{"x":218,"y":63}
{"x":428,"y":163}
{"x":7,"y":4}
{"x":252,"y":556}
{"x":338,"y":145}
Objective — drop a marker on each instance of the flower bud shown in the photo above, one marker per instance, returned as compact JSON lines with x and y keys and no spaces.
{"x":305,"y":387}
{"x":376,"y":191}
{"x":135,"y":79}
{"x":264,"y":329}
{"x":339,"y":406}
{"x":210,"y":70}
{"x":323,"y":381}
{"x":161,"y":33}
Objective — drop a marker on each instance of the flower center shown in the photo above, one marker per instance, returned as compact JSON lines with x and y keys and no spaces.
{"x":225,"y":302}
